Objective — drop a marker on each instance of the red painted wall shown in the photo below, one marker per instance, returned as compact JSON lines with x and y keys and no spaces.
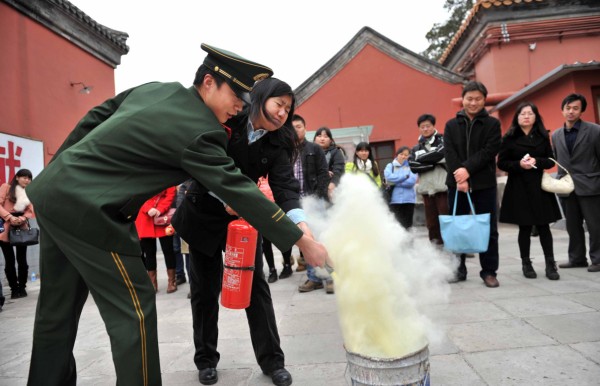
{"x":512,"y":66}
{"x":549,"y":99}
{"x":36,"y":68}
{"x":375,"y":89}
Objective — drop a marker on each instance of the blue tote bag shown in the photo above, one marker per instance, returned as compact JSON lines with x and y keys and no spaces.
{"x":469,"y":233}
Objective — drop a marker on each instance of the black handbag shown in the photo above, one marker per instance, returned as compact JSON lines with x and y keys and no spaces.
{"x":29,"y":236}
{"x":387,"y":191}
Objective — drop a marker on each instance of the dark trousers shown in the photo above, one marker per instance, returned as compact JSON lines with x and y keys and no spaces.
{"x":484,"y":201}
{"x":435,"y":205}
{"x":148,"y":245}
{"x":15,"y":281}
{"x":404,"y":214}
{"x":267,"y":247}
{"x":70,"y":269}
{"x":545,"y":240}
{"x":287,"y":257}
{"x":206,"y":276}
{"x":578,"y":209}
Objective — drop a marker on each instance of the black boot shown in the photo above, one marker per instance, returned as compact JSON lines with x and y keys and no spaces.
{"x":286,"y":271}
{"x":528,"y":270}
{"x":272,"y":275}
{"x":461,"y":271}
{"x":15,"y":293}
{"x":551,"y":271}
{"x":22,"y":292}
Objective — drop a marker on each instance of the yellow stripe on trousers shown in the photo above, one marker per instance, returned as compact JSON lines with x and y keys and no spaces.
{"x":138,"y":310}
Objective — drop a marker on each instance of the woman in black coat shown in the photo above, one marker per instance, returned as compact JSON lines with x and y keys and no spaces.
{"x":524,"y":154}
{"x":262,"y":144}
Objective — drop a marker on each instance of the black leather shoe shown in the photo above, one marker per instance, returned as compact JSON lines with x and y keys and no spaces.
{"x":286,"y":272}
{"x":528,"y":271}
{"x":272,"y":276}
{"x":569,"y":264}
{"x":181,"y":280}
{"x":281,"y":377}
{"x":457,"y":277}
{"x":208,"y":376}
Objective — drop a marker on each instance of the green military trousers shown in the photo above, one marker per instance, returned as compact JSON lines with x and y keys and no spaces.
{"x":125,"y":298}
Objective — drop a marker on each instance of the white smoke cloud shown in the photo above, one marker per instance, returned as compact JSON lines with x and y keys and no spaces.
{"x":386,"y":277}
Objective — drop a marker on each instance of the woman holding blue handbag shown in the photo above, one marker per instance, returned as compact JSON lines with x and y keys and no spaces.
{"x":524,"y":153}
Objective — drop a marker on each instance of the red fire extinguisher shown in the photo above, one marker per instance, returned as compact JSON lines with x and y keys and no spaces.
{"x":238,"y":268}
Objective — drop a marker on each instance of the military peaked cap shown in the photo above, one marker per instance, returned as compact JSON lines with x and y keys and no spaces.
{"x":240,"y":73}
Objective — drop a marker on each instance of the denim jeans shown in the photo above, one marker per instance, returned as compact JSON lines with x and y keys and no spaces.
{"x":310,"y":273}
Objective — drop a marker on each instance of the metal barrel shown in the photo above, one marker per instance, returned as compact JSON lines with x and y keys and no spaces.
{"x":410,"y":370}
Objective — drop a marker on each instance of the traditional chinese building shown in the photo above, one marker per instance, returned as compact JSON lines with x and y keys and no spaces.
{"x":535,"y":50}
{"x":56,"y":64}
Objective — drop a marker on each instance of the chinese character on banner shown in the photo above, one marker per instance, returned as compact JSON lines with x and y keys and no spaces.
{"x":10,"y":160}
{"x":19,"y":153}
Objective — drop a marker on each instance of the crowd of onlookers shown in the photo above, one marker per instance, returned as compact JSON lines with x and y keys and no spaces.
{"x":469,"y":157}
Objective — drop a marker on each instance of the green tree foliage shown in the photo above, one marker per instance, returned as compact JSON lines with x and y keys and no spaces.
{"x":441,"y":34}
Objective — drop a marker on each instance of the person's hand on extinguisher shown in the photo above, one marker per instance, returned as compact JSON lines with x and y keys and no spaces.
{"x":307,"y":232}
{"x":314,"y":252}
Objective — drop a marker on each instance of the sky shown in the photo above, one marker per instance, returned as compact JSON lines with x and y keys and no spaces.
{"x":294,"y":39}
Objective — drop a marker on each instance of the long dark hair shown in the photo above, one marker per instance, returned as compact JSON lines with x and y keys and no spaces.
{"x":270,"y":88}
{"x":538,"y":125}
{"x":13,"y":183}
{"x":327,"y":132}
{"x":366,"y":146}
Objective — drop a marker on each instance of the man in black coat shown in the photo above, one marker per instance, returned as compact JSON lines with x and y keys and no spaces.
{"x":471,"y":143}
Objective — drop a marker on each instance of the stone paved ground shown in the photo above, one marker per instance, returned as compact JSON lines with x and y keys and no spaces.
{"x":526,"y":332}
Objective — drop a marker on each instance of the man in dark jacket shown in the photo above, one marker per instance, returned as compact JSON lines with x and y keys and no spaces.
{"x":312,"y":171}
{"x":427,"y":160}
{"x":471,"y":143}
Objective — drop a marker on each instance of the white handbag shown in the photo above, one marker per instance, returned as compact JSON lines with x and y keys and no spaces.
{"x":563,"y":185}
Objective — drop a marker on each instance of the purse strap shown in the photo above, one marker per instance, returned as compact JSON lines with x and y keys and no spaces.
{"x":456,"y":200}
{"x":556,"y":162}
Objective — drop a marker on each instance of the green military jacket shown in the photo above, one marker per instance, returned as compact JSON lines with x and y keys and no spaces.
{"x":130,"y":148}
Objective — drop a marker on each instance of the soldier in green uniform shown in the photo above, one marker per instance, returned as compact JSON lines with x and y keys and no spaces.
{"x":120,"y":154}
